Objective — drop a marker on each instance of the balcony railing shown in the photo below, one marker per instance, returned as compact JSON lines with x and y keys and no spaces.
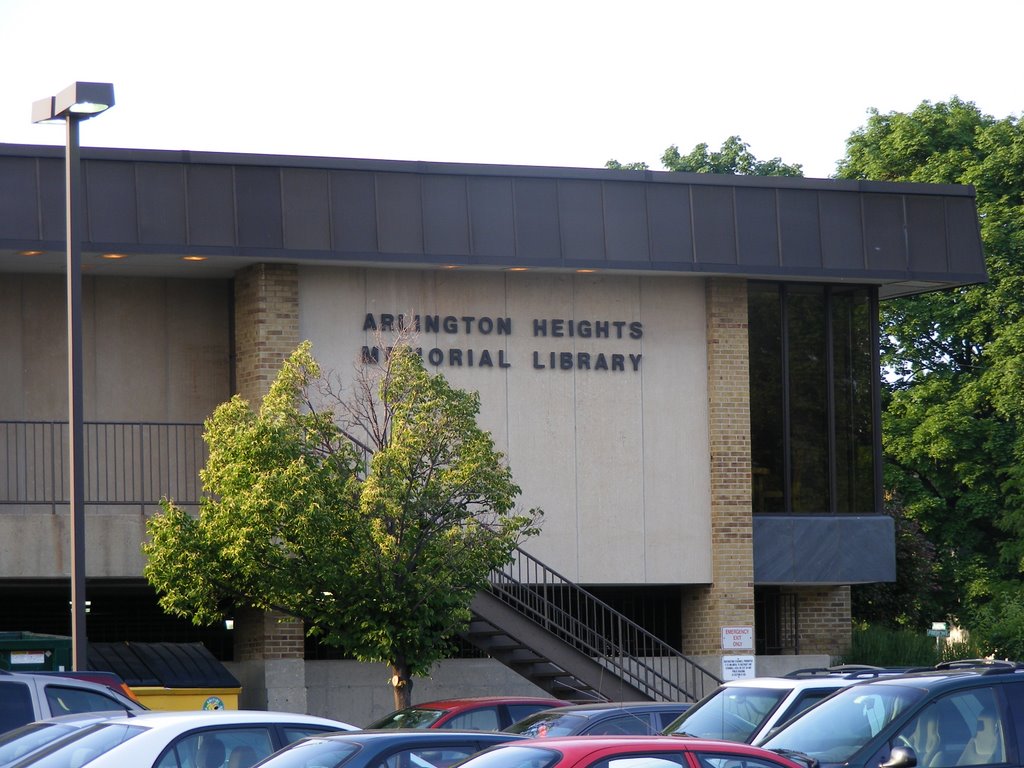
{"x":125,"y":463}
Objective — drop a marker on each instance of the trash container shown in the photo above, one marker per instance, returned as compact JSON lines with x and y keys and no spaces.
{"x":169,"y":676}
{"x":33,"y":652}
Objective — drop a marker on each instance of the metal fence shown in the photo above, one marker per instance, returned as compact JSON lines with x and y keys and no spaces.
{"x":125,"y":463}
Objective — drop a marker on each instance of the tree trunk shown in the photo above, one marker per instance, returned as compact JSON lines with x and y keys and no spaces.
{"x":401,"y":683}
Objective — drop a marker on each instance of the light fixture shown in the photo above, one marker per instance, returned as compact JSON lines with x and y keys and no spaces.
{"x":113,"y":256}
{"x":229,"y":624}
{"x":77,"y":102}
{"x":517,"y":269}
{"x":585,"y":271}
{"x":193,"y":258}
{"x":31,"y":253}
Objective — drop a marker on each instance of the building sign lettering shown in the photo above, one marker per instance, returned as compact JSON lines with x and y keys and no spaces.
{"x":616,"y":361}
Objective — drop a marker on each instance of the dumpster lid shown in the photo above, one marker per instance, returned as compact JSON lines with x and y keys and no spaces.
{"x":170,"y":665}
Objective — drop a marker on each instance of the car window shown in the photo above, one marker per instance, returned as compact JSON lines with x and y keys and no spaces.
{"x":622,"y":725}
{"x":426,"y":757}
{"x":843,"y":724}
{"x":485,"y":719}
{"x":721,"y":760}
{"x":519,"y":711}
{"x":315,"y":753}
{"x":65,"y":700}
{"x":409,"y":718}
{"x":295,"y":731}
{"x":960,"y":729}
{"x":664,"y":718}
{"x":78,"y":749}
{"x":28,"y":738}
{"x":733,"y":713}
{"x":549,"y":724}
{"x":805,"y":700}
{"x":661,"y":760}
{"x":15,"y":705}
{"x":227,"y":747}
{"x":514,"y":757}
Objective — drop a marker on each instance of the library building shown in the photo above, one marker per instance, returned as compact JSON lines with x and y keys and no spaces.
{"x":682,"y":371}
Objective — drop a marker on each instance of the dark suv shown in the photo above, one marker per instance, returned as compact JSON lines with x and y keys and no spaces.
{"x":963,"y":713}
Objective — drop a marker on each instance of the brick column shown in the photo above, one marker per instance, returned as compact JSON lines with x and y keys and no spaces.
{"x":269,"y":647}
{"x":266,"y":325}
{"x":823,"y":623}
{"x":729,"y":599}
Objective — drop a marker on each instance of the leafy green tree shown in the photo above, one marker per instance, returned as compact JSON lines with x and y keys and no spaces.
{"x":954,"y":393}
{"x":382,"y":565}
{"x":733,"y":158}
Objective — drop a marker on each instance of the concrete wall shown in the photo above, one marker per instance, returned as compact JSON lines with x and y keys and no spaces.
{"x":618,"y":460}
{"x":154,"y":350}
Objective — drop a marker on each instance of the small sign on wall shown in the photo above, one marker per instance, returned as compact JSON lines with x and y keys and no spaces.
{"x":737,"y":667}
{"x":737,"y":638}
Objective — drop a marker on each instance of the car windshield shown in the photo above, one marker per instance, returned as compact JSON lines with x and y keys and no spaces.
{"x":513,"y":757}
{"x":413,"y":717}
{"x":79,"y":748}
{"x":19,"y":742}
{"x":733,"y":713}
{"x":548,"y":724}
{"x":314,"y":753}
{"x":837,"y":728}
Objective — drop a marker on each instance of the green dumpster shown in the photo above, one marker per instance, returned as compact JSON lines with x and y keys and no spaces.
{"x":34,"y":652}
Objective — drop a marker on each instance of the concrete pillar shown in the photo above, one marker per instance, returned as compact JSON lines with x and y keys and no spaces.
{"x":729,"y":599}
{"x":269,"y":647}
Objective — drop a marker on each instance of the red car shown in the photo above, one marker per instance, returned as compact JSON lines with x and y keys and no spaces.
{"x":484,"y":713}
{"x":627,"y":752}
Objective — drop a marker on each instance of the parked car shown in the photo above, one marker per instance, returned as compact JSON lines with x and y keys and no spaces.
{"x":390,"y":748}
{"x":746,"y":710}
{"x":17,"y":744}
{"x":966,"y":713}
{"x":110,"y":679}
{"x":484,"y":713}
{"x":627,"y":752}
{"x":600,"y":719}
{"x":25,"y":697}
{"x":208,"y":739}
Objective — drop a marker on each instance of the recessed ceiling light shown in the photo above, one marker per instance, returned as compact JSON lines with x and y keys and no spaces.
{"x":193,"y":258}
{"x":114,"y":256}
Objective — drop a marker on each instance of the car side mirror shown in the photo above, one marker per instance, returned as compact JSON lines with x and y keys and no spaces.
{"x":900,"y":757}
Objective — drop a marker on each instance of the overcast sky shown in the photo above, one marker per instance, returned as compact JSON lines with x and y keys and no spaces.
{"x":529,"y":82}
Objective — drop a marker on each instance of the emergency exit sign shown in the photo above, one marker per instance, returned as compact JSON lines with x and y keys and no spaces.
{"x":737,"y":638}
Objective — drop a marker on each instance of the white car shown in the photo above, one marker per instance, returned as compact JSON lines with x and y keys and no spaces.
{"x":217,"y":739}
{"x":746,"y":710}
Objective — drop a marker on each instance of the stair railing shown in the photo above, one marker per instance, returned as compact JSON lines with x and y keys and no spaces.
{"x":594,"y":628}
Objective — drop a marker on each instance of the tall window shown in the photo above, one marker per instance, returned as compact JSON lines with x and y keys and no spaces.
{"x":813,"y":398}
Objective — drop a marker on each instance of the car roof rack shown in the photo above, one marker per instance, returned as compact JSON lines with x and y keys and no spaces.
{"x":842,"y":670}
{"x":986,"y":666}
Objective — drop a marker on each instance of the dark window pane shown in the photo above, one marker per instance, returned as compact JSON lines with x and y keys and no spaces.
{"x":808,"y":405}
{"x":766,"y":398}
{"x":853,"y":381}
{"x":15,"y":705}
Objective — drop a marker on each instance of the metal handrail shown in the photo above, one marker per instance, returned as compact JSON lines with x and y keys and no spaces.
{"x":134,"y":463}
{"x":594,"y":628}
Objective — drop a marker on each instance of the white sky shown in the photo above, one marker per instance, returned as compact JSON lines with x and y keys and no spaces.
{"x":529,"y":82}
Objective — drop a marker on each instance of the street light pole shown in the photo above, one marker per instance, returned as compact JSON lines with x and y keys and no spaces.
{"x":75,"y":103}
